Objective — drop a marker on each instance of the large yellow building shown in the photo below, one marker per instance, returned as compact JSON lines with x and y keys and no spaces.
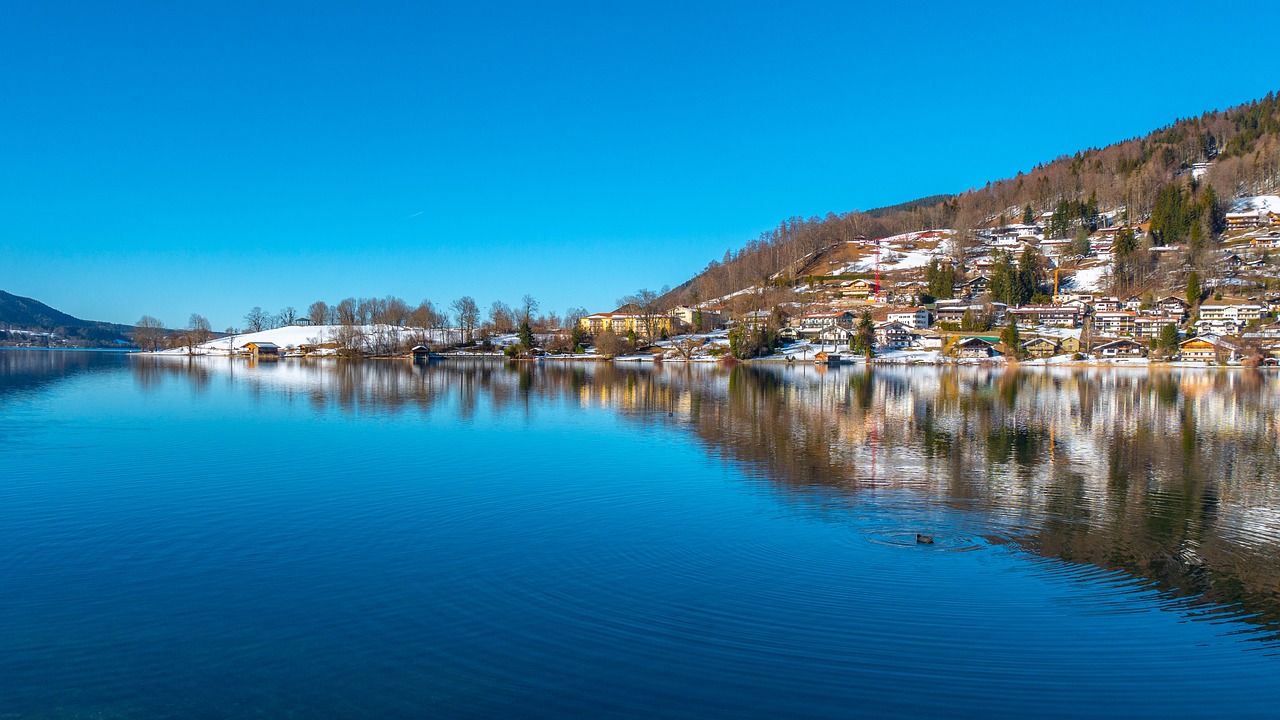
{"x":622,"y":323}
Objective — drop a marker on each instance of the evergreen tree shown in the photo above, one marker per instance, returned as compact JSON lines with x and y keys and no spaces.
{"x":1030,"y":275}
{"x":1212,"y":210}
{"x":866,"y":337}
{"x":1003,"y":283}
{"x":577,"y":336}
{"x":1028,"y":214}
{"x":941,"y":279}
{"x":1193,"y":289}
{"x":1009,"y":336}
{"x":1126,"y":244}
{"x":1080,"y":243}
{"x":526,"y":335}
{"x":1168,"y":340}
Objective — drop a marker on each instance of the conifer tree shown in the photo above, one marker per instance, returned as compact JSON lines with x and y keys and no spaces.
{"x":1009,"y":336}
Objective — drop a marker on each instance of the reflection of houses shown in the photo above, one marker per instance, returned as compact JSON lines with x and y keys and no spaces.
{"x":1123,"y":348}
{"x":262,"y":350}
{"x":973,"y":347}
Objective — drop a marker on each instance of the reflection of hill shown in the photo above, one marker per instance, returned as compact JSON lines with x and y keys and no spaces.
{"x":27,"y":370}
{"x":1169,"y":476}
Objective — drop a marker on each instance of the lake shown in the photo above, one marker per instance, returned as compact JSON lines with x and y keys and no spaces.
{"x":210,"y":539}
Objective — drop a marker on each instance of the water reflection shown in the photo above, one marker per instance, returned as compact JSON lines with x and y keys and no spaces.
{"x":1169,"y":476}
{"x":26,"y":371}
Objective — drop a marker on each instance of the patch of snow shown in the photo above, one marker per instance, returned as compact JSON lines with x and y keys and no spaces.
{"x":892,"y":260}
{"x":292,"y":336}
{"x":1089,"y":279}
{"x":1270,"y":203}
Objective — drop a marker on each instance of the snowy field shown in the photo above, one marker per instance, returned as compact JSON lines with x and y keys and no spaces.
{"x":291,"y":337}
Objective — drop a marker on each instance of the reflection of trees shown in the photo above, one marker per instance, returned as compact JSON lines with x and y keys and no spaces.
{"x":26,"y":370}
{"x":1172,"y":476}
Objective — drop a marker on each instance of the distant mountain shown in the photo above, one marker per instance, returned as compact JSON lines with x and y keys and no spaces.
{"x":23,"y":319}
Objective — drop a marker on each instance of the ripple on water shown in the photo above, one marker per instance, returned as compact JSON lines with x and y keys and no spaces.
{"x":906,"y":539}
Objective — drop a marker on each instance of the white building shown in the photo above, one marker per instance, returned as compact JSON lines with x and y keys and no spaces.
{"x":915,"y":317}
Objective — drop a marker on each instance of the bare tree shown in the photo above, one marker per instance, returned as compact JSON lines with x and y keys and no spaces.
{"x":319,"y":313}
{"x":528,"y":306}
{"x":256,"y":320}
{"x":148,"y":332}
{"x":645,"y":304}
{"x":393,"y":311}
{"x":198,"y":329}
{"x":287,"y":316}
{"x":686,"y":346}
{"x":423,"y":320}
{"x":502,"y":319}
{"x":350,"y":338}
{"x":346,"y":313}
{"x":468,"y":315}
{"x":609,"y":343}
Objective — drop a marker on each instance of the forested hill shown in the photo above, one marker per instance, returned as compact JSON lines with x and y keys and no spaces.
{"x":19,"y":313}
{"x":1163,"y":177}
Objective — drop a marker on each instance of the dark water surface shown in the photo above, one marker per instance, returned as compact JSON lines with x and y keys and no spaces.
{"x":191,"y":539}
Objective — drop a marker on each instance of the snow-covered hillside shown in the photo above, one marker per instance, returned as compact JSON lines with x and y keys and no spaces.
{"x":1270,"y":203}
{"x":294,"y":336}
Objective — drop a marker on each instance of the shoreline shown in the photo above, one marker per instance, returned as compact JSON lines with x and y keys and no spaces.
{"x":994,"y":363}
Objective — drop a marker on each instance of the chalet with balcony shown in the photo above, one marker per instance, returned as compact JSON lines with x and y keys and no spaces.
{"x":1122,"y":348}
{"x":1040,"y":347}
{"x":1207,"y":348}
{"x":973,"y":347}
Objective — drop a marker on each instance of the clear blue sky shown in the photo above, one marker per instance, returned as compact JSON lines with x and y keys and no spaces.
{"x":176,"y":157}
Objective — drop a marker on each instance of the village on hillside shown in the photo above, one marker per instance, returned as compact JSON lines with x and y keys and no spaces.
{"x":934,"y":297}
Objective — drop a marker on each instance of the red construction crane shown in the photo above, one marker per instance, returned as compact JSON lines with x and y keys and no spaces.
{"x":877,"y":289}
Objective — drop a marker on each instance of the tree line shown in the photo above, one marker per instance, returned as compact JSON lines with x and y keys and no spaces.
{"x":388,"y":325}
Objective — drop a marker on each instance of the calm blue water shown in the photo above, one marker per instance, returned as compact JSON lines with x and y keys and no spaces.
{"x":205,"y":539}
